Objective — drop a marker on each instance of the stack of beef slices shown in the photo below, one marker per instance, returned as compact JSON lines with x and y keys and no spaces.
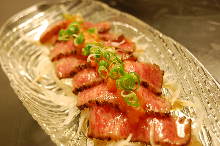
{"x":110,"y":117}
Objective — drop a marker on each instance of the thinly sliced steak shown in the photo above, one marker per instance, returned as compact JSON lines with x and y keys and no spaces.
{"x":100,"y":95}
{"x":61,"y":49}
{"x":164,"y":130}
{"x":121,"y":43}
{"x":150,"y":74}
{"x":102,"y":27}
{"x":52,"y":32}
{"x":125,"y":45}
{"x":107,"y":38}
{"x":69,"y":66}
{"x":152,"y":102}
{"x":107,"y":122}
{"x":85,"y":79}
{"x":97,"y":94}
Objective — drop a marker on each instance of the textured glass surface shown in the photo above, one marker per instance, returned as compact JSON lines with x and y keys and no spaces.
{"x":50,"y":102}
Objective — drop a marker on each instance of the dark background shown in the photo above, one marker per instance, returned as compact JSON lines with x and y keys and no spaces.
{"x":193,"y":23}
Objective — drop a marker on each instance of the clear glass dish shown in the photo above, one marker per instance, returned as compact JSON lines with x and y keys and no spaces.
{"x":50,"y":102}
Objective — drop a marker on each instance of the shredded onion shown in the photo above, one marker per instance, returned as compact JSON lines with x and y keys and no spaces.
{"x":73,"y":112}
{"x":111,"y":49}
{"x":89,"y":57}
{"x":152,"y":128}
{"x":152,"y":134}
{"x":90,"y":142}
{"x":174,"y":90}
{"x":84,"y":115}
{"x":124,"y":142}
{"x":116,"y":44}
{"x":131,"y":98}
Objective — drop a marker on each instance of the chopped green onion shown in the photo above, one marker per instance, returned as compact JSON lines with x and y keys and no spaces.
{"x":86,"y":50}
{"x":111,"y":65}
{"x":91,"y":30}
{"x":73,"y":28}
{"x":131,"y":98}
{"x":96,"y":50}
{"x":90,"y":56}
{"x":79,"y":39}
{"x":116,"y":71}
{"x":136,"y":78}
{"x":102,"y":70}
{"x":103,"y":63}
{"x":63,"y":35}
{"x":125,"y":83}
{"x":128,"y":82}
{"x":115,"y":59}
{"x":107,"y":54}
{"x":75,"y":23}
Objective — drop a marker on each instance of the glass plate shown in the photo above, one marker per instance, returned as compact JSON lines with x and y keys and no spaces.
{"x":51,"y":103}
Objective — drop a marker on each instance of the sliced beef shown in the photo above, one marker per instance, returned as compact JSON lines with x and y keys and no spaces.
{"x":152,"y":102}
{"x":102,"y":27}
{"x":88,"y":25}
{"x":90,"y":37}
{"x":85,"y":79}
{"x":107,"y":37}
{"x":126,"y":45}
{"x":150,"y":74}
{"x":126,"y":56}
{"x":106,"y":122}
{"x":50,"y":35}
{"x":111,"y":85}
{"x":61,"y":49}
{"x":97,"y":94}
{"x":163,"y":130}
{"x":65,"y":49}
{"x":121,"y":43}
{"x":69,"y":66}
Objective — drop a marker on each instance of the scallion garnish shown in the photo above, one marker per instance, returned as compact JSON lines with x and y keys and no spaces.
{"x":111,"y":65}
{"x":91,"y":30}
{"x":103,"y":63}
{"x":75,"y":23}
{"x":102,"y":70}
{"x":73,"y":27}
{"x":95,"y":50}
{"x":79,"y":39}
{"x":116,"y":71}
{"x":128,"y":82}
{"x":86,"y":50}
{"x":71,"y":31}
{"x":107,"y":55}
{"x":130,"y":98}
{"x":63,"y":35}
